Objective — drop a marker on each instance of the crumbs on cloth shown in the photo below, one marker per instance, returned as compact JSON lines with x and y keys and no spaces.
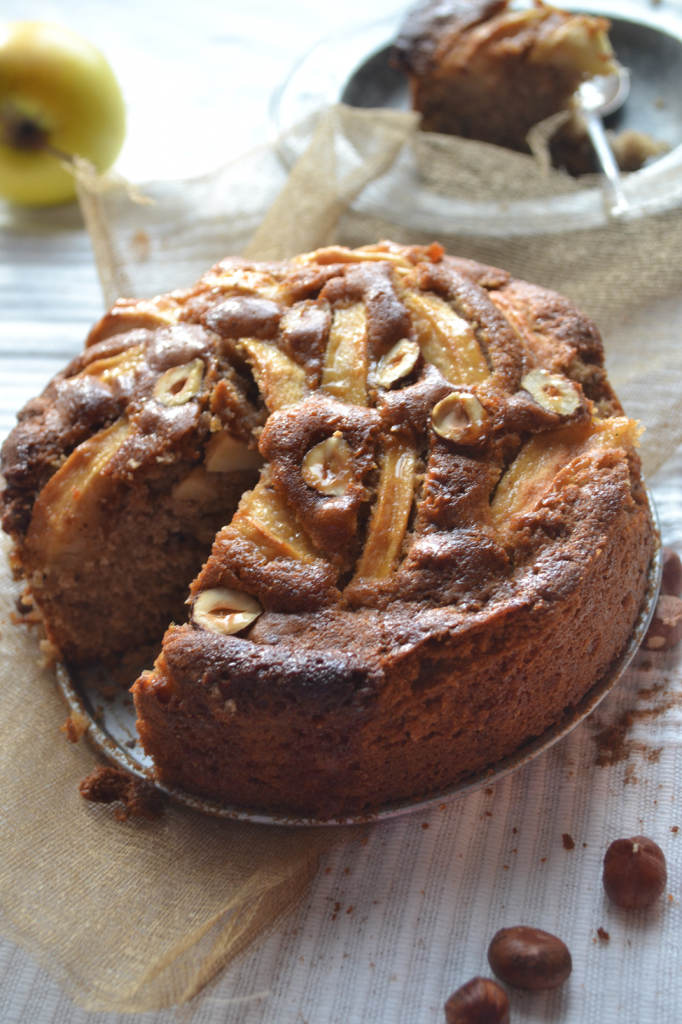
{"x":107,"y":785}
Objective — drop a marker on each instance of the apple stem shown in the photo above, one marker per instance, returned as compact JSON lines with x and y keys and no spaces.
{"x":21,"y":132}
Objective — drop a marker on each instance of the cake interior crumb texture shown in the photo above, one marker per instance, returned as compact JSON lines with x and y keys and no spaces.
{"x":383,"y":502}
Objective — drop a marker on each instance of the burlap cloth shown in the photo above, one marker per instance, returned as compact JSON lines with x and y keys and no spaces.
{"x":136,"y":916}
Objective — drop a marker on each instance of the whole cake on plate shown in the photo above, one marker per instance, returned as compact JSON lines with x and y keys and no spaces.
{"x":405,"y":492}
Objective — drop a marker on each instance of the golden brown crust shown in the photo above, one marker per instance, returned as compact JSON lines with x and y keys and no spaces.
{"x":336,"y":714}
{"x":419,"y":489}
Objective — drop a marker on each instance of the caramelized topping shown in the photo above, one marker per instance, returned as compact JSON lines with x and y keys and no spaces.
{"x":264,"y":518}
{"x":281,"y":381}
{"x":549,"y":457}
{"x":390,"y":513}
{"x":351,"y":460}
{"x":128,"y":315}
{"x":446,"y":340}
{"x":366,"y":254}
{"x":108,"y":369}
{"x":345,"y":369}
{"x":69,"y":506}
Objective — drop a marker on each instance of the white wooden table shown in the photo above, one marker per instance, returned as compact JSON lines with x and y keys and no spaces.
{"x":394,"y":924}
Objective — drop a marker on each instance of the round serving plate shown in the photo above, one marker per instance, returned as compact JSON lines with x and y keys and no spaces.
{"x":354,"y":68}
{"x":108,"y":708}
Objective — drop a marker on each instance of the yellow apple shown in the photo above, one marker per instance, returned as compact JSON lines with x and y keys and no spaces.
{"x":58,"y":99}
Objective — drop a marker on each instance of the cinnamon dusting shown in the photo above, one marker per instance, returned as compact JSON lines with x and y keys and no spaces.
{"x":612,"y":740}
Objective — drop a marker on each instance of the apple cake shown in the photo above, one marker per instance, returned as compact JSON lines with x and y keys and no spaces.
{"x":407,"y":496}
{"x":484,"y":71}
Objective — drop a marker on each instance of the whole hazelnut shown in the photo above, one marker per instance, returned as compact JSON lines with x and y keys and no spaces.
{"x":671,"y":582}
{"x":635,"y":873}
{"x":665,"y":628}
{"x":529,"y":958}
{"x":480,"y":1001}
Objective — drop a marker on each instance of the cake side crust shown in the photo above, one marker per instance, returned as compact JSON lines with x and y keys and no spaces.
{"x":313,"y":730}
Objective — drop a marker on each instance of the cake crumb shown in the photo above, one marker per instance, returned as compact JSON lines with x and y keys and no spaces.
{"x":603,"y":934}
{"x":632,"y":148}
{"x":140,"y":243}
{"x":75,"y":726}
{"x":49,"y":654}
{"x":107,"y":785}
{"x":568,"y":841}
{"x":27,"y":611}
{"x":674,"y":828}
{"x":611,"y":738}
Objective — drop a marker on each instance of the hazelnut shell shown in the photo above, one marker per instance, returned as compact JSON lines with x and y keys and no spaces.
{"x":529,"y":958}
{"x":671,"y":582}
{"x":635,"y":872}
{"x":480,"y":1001}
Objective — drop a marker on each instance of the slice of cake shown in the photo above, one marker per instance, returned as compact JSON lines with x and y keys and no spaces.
{"x":415,"y":496}
{"x":482,"y":71}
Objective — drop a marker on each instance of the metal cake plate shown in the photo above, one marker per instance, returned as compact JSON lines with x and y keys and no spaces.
{"x":108,"y":709}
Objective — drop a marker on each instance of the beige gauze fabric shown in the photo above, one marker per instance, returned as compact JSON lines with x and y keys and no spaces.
{"x":133,"y":915}
{"x":137,"y":915}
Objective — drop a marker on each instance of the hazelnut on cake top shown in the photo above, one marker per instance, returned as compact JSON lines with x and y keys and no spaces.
{"x":407,"y":496}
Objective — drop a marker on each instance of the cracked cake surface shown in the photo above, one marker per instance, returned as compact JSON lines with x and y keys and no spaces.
{"x":400,"y":489}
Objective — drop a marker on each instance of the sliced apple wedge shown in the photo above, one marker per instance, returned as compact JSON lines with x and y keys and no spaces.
{"x":346,"y":363}
{"x":545,"y":456}
{"x":282,"y":381}
{"x":235,"y":280}
{"x":368,"y":254}
{"x":447,"y":341}
{"x":68,"y":509}
{"x":226,"y":454}
{"x":263,"y":517}
{"x":114,"y":366}
{"x":390,"y":514}
{"x":129,"y":315}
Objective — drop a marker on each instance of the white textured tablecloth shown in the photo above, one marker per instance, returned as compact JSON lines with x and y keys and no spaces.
{"x":396,"y":920}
